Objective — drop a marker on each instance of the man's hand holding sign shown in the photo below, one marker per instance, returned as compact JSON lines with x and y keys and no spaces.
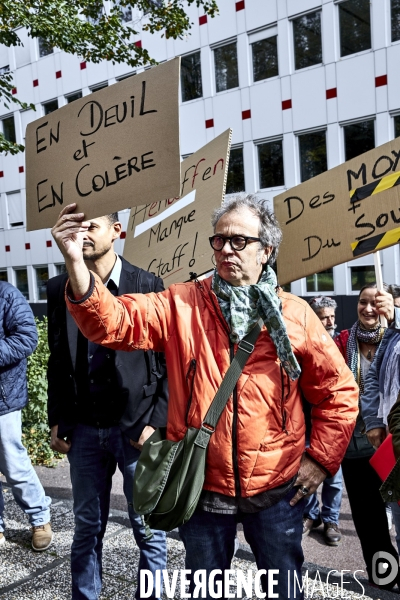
{"x":68,"y":232}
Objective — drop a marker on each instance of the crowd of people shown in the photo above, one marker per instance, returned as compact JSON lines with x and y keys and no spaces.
{"x":309,"y":408}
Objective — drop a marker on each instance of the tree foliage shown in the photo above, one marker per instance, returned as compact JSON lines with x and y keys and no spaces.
{"x":93,"y":31}
{"x":35,"y":429}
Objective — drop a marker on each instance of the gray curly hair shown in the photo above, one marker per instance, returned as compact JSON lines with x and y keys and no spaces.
{"x":269,"y":232}
{"x":322,"y":302}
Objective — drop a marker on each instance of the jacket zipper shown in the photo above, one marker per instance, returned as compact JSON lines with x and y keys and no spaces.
{"x":235,"y":396}
{"x":234,"y":432}
{"x":190,"y":374}
{"x":283,"y":399}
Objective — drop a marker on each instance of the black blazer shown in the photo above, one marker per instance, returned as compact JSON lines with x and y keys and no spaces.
{"x":141,"y":374}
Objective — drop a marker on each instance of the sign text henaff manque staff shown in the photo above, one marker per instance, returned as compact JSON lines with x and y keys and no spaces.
{"x":170,"y":237}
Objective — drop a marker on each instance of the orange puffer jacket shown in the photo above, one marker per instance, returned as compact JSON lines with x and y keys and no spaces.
{"x":260,"y":437}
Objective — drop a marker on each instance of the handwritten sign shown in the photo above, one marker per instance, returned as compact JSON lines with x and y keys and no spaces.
{"x":110,"y":150}
{"x":170,"y":237}
{"x":347,"y":212}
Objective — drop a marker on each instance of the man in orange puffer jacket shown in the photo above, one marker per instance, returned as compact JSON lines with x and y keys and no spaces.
{"x":258,"y":471}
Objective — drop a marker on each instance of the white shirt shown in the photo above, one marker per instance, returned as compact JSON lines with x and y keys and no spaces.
{"x":115,"y":274}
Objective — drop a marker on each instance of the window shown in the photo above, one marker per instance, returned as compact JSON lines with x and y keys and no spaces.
{"x":4,"y":70}
{"x":97,"y":11}
{"x":50,"y":107}
{"x":226,"y":67}
{"x":191,"y":77}
{"x":270,"y":164}
{"x":15,"y":209}
{"x":265,"y":58}
{"x":395,"y":10}
{"x":61,"y":269}
{"x":355,"y":26}
{"x":126,"y":14}
{"x":9,"y":129}
{"x":235,"y":180}
{"x":21,"y":282}
{"x":361,"y":276}
{"x":320,"y":282}
{"x":155,"y":4}
{"x":42,"y":277}
{"x":3,"y":276}
{"x":358,"y":138}
{"x":98,"y":87}
{"x":45,"y":48}
{"x":307,"y":40}
{"x":312,"y":148}
{"x":396,"y":126}
{"x":73,"y":97}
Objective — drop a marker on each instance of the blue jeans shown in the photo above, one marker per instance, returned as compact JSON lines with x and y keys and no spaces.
{"x":93,"y":458}
{"x":274,"y":535}
{"x":17,"y":468}
{"x":332,"y":491}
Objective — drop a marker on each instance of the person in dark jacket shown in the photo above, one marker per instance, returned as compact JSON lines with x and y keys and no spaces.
{"x":18,"y":339}
{"x":102,"y":406}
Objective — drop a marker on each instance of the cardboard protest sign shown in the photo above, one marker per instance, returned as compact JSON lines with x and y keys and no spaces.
{"x":110,"y":150}
{"x":170,"y":237}
{"x":347,"y":212}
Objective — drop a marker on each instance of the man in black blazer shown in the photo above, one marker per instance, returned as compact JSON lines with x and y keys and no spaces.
{"x":102,"y":406}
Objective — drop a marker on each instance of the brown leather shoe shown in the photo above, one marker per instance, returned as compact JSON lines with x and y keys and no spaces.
{"x":332,"y":535}
{"x":42,"y":536}
{"x":307,"y":526}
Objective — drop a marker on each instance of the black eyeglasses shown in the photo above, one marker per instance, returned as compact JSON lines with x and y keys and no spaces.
{"x":237,"y":242}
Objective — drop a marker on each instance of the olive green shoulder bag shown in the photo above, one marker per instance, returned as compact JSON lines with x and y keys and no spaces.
{"x":170,"y":475}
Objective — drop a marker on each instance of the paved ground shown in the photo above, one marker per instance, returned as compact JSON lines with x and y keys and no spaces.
{"x":25,"y":575}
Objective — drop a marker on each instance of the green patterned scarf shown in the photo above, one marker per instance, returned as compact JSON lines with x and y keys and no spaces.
{"x":242,"y":306}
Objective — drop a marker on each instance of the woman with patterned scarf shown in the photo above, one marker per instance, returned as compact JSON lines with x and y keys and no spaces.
{"x":358,"y":346}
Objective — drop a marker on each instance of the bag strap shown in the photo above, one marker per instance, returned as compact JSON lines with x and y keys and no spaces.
{"x":245,"y":348}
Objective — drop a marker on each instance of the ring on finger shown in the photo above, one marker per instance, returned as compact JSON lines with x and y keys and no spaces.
{"x":304,"y":490}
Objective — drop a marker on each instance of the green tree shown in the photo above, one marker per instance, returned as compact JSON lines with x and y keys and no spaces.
{"x":35,"y":429}
{"x":86,"y":28}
